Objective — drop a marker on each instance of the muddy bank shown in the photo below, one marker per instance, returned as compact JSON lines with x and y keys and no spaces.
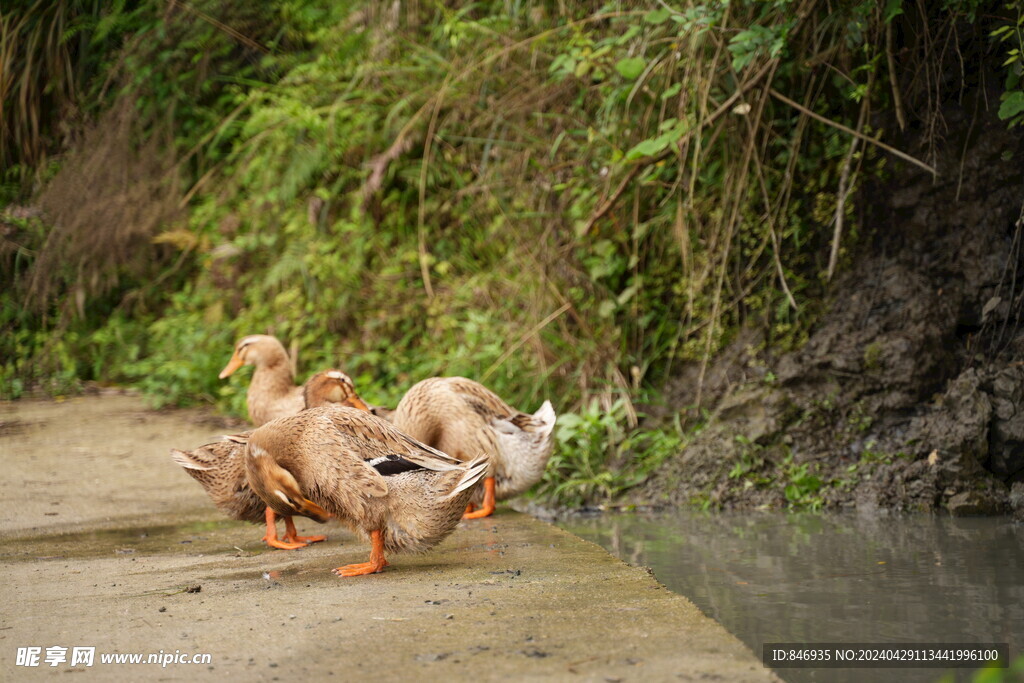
{"x":136,"y":560}
{"x":908,"y":394}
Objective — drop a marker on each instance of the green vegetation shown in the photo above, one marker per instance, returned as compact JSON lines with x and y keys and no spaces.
{"x":772,"y":468}
{"x":749,"y":463}
{"x":557,"y":200}
{"x":1011,"y":33}
{"x":802,"y":487}
{"x":869,"y":455}
{"x":596,"y":457}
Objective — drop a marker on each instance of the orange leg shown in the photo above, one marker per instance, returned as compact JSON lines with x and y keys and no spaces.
{"x":291,"y":534}
{"x":487,"y":508}
{"x":271,"y":537}
{"x":470,"y":508}
{"x":376,"y":563}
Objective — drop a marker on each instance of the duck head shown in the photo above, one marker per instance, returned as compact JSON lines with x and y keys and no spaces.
{"x":332,"y":386}
{"x":256,"y":349}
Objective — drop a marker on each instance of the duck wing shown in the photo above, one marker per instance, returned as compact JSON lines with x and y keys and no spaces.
{"x":381,"y":446}
{"x":503,"y":417}
{"x":481,"y":399}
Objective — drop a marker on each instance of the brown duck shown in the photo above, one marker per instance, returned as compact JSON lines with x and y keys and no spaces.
{"x":464,"y":418}
{"x":335,"y":461}
{"x":272,"y":391}
{"x":219,"y":468}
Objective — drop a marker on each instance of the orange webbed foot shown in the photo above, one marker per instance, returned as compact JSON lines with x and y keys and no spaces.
{"x":360,"y":569}
{"x":376,"y":563}
{"x":271,"y":536}
{"x":469,"y":508}
{"x":487,"y":507}
{"x":480,"y":514}
{"x":291,"y":534}
{"x":305,"y":540}
{"x":283,"y":545}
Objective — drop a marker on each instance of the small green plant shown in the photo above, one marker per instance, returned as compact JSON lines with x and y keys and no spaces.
{"x":850,"y":480}
{"x":872,"y":355}
{"x":1011,"y":33}
{"x":870,"y":455}
{"x":750,"y":459}
{"x":859,"y":419}
{"x":596,"y":458}
{"x":802,"y":487}
{"x":702,"y":501}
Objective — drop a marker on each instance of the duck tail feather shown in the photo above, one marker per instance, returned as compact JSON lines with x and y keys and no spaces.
{"x":187,"y":461}
{"x":476,"y":469}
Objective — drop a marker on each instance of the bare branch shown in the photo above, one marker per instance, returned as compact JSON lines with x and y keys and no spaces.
{"x":866,"y":138}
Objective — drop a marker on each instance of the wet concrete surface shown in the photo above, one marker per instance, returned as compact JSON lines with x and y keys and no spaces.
{"x":105,"y":543}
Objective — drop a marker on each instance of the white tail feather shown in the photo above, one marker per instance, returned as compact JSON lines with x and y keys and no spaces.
{"x":186,"y":461}
{"x":475,"y":471}
{"x":546,"y":414}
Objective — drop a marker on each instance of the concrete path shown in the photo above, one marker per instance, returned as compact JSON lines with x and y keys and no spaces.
{"x":103,"y":538}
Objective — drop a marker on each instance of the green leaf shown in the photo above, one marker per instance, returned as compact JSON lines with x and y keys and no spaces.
{"x":671,"y":91}
{"x":647,"y":148}
{"x":631,"y":32}
{"x":893,"y":8}
{"x":627,"y":294}
{"x":657,"y":16}
{"x":674,"y":133}
{"x":744,"y":37}
{"x":1013,"y":104}
{"x":569,"y":420}
{"x":630,"y":67}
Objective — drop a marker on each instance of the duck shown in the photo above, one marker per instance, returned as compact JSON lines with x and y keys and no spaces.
{"x":462,"y":417}
{"x":272,"y":392}
{"x":332,"y":461}
{"x":219,"y":467}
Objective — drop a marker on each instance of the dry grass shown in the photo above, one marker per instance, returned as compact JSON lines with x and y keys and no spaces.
{"x":106,"y":205}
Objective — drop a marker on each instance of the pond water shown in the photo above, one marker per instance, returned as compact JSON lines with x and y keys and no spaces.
{"x":843,"y":579}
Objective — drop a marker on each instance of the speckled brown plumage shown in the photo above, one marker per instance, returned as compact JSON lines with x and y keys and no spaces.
{"x":272,"y":392}
{"x":465,"y":419}
{"x":219,"y":468}
{"x":351,"y":465}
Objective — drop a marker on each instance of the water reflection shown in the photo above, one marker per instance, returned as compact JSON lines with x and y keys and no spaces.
{"x":792,"y":578}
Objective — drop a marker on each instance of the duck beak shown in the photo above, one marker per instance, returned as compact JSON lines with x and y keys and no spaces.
{"x":357,"y":403}
{"x":232,"y":365}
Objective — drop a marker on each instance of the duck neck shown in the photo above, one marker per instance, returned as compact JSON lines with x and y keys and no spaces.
{"x":273,"y":379}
